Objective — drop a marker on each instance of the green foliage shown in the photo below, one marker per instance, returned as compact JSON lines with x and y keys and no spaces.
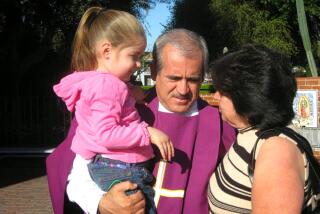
{"x":197,"y":16}
{"x":206,"y":88}
{"x":146,"y":87}
{"x":253,"y":25}
{"x":276,"y":35}
{"x":287,"y":10}
{"x":231,"y":23}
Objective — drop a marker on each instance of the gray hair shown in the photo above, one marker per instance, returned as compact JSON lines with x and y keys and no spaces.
{"x":187,"y":42}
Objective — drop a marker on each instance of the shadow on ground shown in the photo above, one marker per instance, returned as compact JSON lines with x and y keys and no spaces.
{"x":18,"y":169}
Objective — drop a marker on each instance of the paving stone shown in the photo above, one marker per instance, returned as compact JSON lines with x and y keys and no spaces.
{"x":23,"y":186}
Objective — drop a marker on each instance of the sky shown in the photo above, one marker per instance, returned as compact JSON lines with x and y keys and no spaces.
{"x":155,"y":18}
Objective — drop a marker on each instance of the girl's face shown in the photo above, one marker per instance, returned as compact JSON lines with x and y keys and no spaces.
{"x":228,"y":112}
{"x":123,"y":61}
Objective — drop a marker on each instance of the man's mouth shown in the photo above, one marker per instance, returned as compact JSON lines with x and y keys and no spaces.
{"x":182,"y":100}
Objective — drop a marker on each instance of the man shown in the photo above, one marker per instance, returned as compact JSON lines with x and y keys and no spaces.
{"x":199,"y":136}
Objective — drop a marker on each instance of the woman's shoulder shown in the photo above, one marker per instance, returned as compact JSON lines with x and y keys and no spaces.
{"x":281,"y":140}
{"x":280,"y":143}
{"x":282,"y":152}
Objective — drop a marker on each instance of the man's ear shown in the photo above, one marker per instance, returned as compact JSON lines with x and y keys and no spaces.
{"x":153,"y":71}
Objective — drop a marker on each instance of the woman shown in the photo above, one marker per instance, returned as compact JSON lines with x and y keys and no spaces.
{"x":255,"y":90}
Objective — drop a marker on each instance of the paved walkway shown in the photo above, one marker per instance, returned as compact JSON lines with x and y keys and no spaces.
{"x":23,"y":186}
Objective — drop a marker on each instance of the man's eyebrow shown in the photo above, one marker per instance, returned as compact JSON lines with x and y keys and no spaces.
{"x":192,"y":77}
{"x":172,"y":76}
{"x":196,"y":77}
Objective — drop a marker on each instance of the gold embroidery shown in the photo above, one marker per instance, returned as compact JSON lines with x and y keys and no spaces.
{"x":159,"y":191}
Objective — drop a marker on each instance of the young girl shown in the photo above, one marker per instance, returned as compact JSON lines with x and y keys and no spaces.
{"x":110,"y":135}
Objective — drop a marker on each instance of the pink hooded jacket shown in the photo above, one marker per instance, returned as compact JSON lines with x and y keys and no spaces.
{"x":108,"y":121}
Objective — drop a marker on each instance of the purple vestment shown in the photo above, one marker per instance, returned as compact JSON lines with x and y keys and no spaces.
{"x":59,"y":164}
{"x":198,"y":142}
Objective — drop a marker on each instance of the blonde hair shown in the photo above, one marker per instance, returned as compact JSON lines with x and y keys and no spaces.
{"x":118,"y":27}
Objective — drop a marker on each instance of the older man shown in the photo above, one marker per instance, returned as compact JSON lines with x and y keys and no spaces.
{"x":199,"y":136}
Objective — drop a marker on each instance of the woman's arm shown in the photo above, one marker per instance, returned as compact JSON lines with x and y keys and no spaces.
{"x":278,"y":183}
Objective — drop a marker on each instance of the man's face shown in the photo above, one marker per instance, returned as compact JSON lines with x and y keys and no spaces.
{"x":179,"y":80}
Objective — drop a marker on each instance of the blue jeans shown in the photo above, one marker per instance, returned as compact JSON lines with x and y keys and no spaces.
{"x":106,"y":172}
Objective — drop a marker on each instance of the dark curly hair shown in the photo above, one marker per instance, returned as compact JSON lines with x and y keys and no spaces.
{"x":260,"y":84}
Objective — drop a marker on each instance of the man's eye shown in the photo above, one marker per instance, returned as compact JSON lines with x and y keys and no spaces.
{"x":194,"y":79}
{"x":174,"y":78}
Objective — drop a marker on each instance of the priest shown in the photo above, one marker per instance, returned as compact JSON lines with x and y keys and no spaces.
{"x":200,"y":138}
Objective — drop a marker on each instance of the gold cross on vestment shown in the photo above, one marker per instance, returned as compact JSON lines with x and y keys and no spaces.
{"x":159,"y":191}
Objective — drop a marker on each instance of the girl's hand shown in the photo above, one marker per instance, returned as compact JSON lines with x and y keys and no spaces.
{"x":162,"y":141}
{"x":137,"y":92}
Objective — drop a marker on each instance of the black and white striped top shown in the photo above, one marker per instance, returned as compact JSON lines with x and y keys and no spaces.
{"x":229,"y":189}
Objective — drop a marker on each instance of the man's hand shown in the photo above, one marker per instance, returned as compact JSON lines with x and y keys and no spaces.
{"x":116,"y":200}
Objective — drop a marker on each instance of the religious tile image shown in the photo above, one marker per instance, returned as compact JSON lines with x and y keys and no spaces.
{"x":305,"y":105}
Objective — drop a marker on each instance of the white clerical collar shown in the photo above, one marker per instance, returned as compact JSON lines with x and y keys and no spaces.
{"x":192,"y":112}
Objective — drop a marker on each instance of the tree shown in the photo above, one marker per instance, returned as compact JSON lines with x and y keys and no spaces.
{"x":252,"y":25}
{"x":197,"y":16}
{"x":35,"y":41}
{"x":33,"y":32}
{"x":231,"y":23}
{"x":287,"y":10}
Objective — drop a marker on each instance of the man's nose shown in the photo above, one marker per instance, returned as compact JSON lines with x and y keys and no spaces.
{"x":183,"y":87}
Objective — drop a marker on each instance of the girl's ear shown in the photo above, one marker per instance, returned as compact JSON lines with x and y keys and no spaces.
{"x":105,"y":49}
